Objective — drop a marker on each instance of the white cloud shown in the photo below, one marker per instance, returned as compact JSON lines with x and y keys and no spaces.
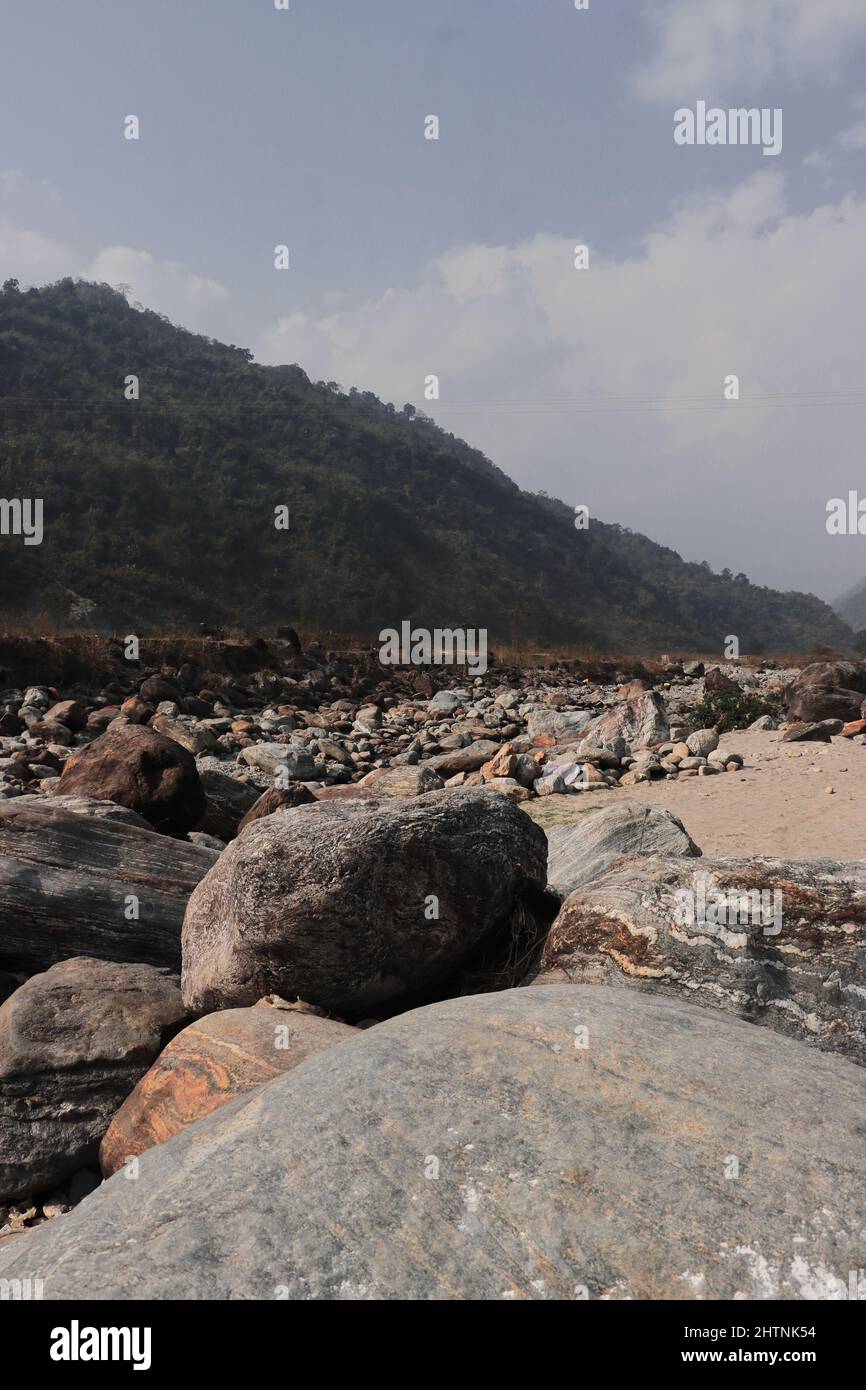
{"x":733,"y":283}
{"x":30,"y":256}
{"x":169,"y":287}
{"x":708,"y":48}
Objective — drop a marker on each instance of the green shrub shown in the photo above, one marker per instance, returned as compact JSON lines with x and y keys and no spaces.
{"x":731,"y":709}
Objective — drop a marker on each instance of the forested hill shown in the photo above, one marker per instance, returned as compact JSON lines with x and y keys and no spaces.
{"x":160,"y":512}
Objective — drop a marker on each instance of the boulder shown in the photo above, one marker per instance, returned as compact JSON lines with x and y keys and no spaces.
{"x":557,"y":1143}
{"x":73,"y":1043}
{"x":558,"y":725}
{"x":73,"y":885}
{"x":468,"y":759}
{"x":157,"y":689}
{"x":777,"y":942}
{"x":850,"y":675}
{"x":718,"y":682}
{"x":813,"y":733}
{"x":227,"y":800}
{"x":586,"y":848}
{"x":356,"y":906}
{"x":135,"y":767}
{"x":68,"y":712}
{"x":813,"y":703}
{"x":702,"y":743}
{"x":190,"y":735}
{"x":210,"y":1062}
{"x":640,"y":722}
{"x":276,"y":799}
{"x":281,"y":760}
{"x":402,"y":781}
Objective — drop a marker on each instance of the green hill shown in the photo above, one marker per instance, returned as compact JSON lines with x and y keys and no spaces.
{"x":160,"y":511}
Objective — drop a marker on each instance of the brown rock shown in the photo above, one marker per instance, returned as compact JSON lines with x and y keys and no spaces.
{"x":855,"y":727}
{"x":215,"y":1060}
{"x":68,"y":712}
{"x":502,"y":764}
{"x":276,"y":799}
{"x":135,"y":767}
{"x":137,"y":711}
{"x":350,"y":792}
{"x":718,"y":681}
{"x":813,"y":703}
{"x":158,"y":688}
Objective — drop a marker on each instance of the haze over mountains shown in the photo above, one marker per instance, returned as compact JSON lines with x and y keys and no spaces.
{"x":159,"y":513}
{"x":851,"y":606}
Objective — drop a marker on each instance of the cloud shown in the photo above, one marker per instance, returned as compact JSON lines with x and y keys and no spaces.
{"x":709,"y":48}
{"x":31,"y":257}
{"x":173,"y":289}
{"x":605,"y":386}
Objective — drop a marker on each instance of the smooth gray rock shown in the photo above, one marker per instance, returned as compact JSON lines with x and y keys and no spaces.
{"x":468,"y":759}
{"x":73,"y":1043}
{"x":356,"y":905}
{"x":586,"y":849}
{"x":702,"y":742}
{"x":471,"y":1150}
{"x":795,"y":962}
{"x":281,"y":760}
{"x":66,"y":881}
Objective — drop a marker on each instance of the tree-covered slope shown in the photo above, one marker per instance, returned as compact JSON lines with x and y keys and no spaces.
{"x":161,"y":511}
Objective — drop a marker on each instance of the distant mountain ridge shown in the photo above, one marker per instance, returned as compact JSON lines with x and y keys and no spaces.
{"x":161,"y":511}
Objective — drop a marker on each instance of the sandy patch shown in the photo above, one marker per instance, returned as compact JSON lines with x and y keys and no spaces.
{"x":777,"y":804}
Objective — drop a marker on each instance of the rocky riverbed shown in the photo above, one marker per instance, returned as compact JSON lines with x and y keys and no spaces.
{"x":261,"y":876}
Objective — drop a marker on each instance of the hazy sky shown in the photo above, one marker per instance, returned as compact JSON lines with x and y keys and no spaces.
{"x":456,"y":257}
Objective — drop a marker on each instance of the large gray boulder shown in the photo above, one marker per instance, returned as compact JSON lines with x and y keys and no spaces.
{"x":581,"y":851}
{"x":559,"y":725}
{"x":73,"y":1043}
{"x":641,"y":722}
{"x":74,"y":884}
{"x":553,"y":1143}
{"x":357,"y":906}
{"x":778,"y":942}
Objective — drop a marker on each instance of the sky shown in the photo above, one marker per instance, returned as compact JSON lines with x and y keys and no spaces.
{"x":455,"y":257}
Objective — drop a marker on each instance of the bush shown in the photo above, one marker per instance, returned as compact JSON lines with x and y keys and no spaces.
{"x":731,"y":709}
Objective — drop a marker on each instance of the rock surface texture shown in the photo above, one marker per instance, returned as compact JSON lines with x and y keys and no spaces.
{"x":73,"y":885}
{"x":471,"y":1150}
{"x":209,"y":1063}
{"x":73,"y":1043}
{"x":353,"y":906}
{"x":802,"y":972}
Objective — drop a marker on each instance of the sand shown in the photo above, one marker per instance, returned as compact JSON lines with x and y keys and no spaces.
{"x":777,"y":804}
